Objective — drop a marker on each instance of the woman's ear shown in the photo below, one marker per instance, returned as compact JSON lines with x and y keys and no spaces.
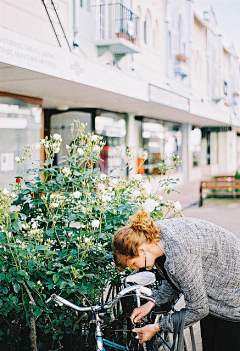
{"x":141,"y":251}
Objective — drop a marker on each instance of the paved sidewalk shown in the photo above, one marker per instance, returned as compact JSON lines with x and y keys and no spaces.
{"x":223,"y":212}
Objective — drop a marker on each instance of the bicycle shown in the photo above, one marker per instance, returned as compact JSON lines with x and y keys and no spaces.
{"x":120,"y":330}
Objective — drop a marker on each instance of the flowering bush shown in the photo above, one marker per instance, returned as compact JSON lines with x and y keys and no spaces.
{"x":58,"y":238}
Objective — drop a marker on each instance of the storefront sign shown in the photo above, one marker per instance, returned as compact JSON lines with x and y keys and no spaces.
{"x":168,"y":98}
{"x":21,"y":51}
{"x":217,"y":129}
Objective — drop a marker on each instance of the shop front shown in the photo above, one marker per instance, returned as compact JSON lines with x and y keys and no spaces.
{"x":160,"y":141}
{"x":20,"y":127}
{"x":110,"y":125}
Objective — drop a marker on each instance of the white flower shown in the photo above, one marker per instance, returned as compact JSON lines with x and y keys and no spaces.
{"x":160,"y":198}
{"x":46,"y":145}
{"x":76,"y":194}
{"x":96,"y":148}
{"x":13,"y":195}
{"x":137,"y":177}
{"x":147,"y":188}
{"x":66,"y":171}
{"x":42,"y":141}
{"x":55,"y":204}
{"x":94,"y":137}
{"x":74,"y":225}
{"x":101,"y":187}
{"x":80,"y":151}
{"x":95,"y":223}
{"x":5,"y":191}
{"x":34,"y":225}
{"x":113,"y":181}
{"x":177,"y":206}
{"x":103,"y":176}
{"x":56,"y":149}
{"x":106,"y":198}
{"x":57,"y":136}
{"x":17,"y":159}
{"x":83,"y":209}
{"x":9,"y":234}
{"x":136,"y":193}
{"x":149,"y":205}
{"x":68,"y":147}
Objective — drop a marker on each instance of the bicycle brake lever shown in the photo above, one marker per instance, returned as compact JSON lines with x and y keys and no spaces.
{"x":53,"y":297}
{"x":48,"y":300}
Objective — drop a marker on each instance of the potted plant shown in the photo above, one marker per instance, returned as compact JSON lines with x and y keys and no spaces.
{"x":181,"y":57}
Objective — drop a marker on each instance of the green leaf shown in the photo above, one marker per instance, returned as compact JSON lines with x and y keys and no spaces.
{"x":16,"y":287}
{"x":41,"y":247}
{"x":30,"y":283}
{"x":62,"y":284}
{"x":72,"y":217}
{"x":56,"y":277}
{"x":23,"y":274}
{"x":71,"y":284}
{"x":37,"y":313}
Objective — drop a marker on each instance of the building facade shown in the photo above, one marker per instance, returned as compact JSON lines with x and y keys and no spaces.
{"x":153,"y":76}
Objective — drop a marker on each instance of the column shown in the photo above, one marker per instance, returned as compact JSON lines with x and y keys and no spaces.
{"x":186,"y":156}
{"x":133,"y":142}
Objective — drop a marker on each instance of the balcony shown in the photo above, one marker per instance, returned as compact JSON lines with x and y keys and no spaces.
{"x":180,"y":66}
{"x":116,"y":30}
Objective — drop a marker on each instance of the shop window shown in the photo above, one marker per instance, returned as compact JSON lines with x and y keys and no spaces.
{"x":60,"y":123}
{"x":160,"y":141}
{"x":20,"y":126}
{"x":113,"y":129}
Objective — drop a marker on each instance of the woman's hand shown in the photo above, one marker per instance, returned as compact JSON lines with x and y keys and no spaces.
{"x":142,"y":311}
{"x":146,"y":333}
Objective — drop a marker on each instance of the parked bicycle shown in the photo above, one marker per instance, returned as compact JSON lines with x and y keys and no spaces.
{"x":117,"y":334}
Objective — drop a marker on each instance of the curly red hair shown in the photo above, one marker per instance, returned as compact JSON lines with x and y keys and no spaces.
{"x":126,"y":240}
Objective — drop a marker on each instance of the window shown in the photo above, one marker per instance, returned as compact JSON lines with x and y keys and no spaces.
{"x":169,"y":45}
{"x":102,"y":19}
{"x":225,"y":88}
{"x":146,"y":27}
{"x":20,"y":124}
{"x":112,"y":128}
{"x":145,"y":31}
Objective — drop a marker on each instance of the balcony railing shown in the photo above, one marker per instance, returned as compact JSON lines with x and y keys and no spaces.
{"x":114,"y":22}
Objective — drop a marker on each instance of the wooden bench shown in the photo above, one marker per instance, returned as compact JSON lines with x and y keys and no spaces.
{"x":223,"y":187}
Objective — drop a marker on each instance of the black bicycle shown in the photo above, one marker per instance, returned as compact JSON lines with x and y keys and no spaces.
{"x":108,"y":333}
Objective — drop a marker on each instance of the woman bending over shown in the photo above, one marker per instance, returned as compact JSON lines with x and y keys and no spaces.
{"x":198,"y":259}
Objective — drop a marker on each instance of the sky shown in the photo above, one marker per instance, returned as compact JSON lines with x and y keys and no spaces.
{"x":228,"y":18}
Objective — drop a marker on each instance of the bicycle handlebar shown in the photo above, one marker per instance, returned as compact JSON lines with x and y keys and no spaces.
{"x":138,"y":288}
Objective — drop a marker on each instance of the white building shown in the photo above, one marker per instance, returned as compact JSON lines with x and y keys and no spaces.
{"x":150,"y":75}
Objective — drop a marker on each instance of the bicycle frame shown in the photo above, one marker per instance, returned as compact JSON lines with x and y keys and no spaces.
{"x":100,"y":341}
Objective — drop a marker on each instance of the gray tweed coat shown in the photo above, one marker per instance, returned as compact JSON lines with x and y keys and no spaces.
{"x":203,"y":262}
